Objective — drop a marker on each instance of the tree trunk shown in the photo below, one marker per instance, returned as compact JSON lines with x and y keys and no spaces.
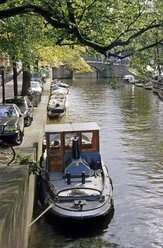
{"x":15,"y":75}
{"x":26,"y":81}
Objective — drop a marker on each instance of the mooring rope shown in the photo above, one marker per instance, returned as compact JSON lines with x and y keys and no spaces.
{"x":50,"y":206}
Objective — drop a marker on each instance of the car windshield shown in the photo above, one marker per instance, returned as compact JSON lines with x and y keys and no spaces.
{"x":35,"y":75}
{"x":34,"y":85}
{"x":19,"y":102}
{"x":7,"y":111}
{"x":22,"y":106}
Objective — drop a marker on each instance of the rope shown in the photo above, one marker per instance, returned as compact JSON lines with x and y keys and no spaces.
{"x":50,"y":206}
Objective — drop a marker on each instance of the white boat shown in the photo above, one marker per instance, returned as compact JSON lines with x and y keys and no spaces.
{"x":128,"y":78}
{"x":61,"y":84}
{"x":57,"y":106}
{"x":76,"y":183}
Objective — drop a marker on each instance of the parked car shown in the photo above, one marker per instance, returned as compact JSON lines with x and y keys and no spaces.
{"x":11,"y":123}
{"x":35,"y":86}
{"x":25,"y":106}
{"x":35,"y":92}
{"x":38,"y":77}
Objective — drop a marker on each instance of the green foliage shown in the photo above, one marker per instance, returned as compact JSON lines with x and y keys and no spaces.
{"x":110,"y":27}
{"x":34,"y":167}
{"x":56,"y":56}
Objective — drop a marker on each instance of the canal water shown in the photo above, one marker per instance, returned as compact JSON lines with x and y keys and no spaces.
{"x":131,"y":140}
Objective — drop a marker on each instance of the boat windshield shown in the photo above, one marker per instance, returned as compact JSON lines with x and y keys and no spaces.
{"x":68,"y":140}
{"x":88,"y":140}
{"x":55,"y":141}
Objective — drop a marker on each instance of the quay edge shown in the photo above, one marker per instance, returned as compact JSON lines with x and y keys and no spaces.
{"x":17,"y":188}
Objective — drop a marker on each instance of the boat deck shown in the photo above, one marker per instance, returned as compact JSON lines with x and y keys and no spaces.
{"x":59,"y":183}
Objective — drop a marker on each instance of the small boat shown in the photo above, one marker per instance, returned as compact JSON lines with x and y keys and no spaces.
{"x":57,"y":106}
{"x":139,"y":84}
{"x":148,"y":86}
{"x":59,"y":90}
{"x":61,"y":84}
{"x":160,"y":93}
{"x":75,"y":183}
{"x":128,"y":78}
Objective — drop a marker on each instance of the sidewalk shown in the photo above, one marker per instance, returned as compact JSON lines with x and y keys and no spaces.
{"x":17,"y":189}
{"x":34,"y":132}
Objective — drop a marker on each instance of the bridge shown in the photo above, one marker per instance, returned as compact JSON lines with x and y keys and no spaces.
{"x":101,"y":68}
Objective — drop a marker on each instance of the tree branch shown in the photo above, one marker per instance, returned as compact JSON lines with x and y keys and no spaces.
{"x":135,"y":51}
{"x":72,"y":28}
{"x":32,"y":8}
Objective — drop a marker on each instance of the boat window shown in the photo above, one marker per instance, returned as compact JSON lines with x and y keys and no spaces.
{"x":68,"y":140}
{"x":55,"y":141}
{"x":89,"y":140}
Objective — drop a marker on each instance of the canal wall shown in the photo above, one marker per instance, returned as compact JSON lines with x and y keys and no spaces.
{"x":17,"y":188}
{"x":14,"y":185}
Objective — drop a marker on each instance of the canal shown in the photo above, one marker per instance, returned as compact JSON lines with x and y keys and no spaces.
{"x":131,"y":140}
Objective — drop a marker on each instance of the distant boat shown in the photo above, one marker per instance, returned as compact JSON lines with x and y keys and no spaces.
{"x":139,"y":84}
{"x":130,"y":79}
{"x":61,"y":84}
{"x":148,"y":86}
{"x":57,"y":106}
{"x":75,"y":182}
{"x":57,"y":101}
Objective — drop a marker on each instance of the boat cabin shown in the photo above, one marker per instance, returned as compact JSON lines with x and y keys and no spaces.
{"x":67,"y":144}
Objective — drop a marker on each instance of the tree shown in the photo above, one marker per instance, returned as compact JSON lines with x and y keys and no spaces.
{"x":111,"y":27}
{"x":70,"y":57}
{"x":18,"y":41}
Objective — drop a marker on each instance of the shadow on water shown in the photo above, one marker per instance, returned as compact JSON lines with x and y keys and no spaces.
{"x":69,"y":228}
{"x":79,"y":229}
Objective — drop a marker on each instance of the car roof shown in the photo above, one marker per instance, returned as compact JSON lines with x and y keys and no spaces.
{"x":16,"y":98}
{"x":7,"y":104}
{"x":35,"y":81}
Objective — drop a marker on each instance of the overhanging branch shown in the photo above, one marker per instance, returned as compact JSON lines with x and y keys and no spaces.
{"x":72,"y":28}
{"x":116,"y":55}
{"x":32,"y":8}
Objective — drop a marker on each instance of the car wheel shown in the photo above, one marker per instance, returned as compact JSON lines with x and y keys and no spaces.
{"x":28,"y":121}
{"x":19,"y":138}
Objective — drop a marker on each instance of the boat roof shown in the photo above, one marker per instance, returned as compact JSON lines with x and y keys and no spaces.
{"x":71,"y":127}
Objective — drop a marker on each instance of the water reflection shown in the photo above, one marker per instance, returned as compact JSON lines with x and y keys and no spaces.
{"x":131,"y":140}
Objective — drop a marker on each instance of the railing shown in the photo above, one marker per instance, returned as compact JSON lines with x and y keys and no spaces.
{"x":106,"y":60}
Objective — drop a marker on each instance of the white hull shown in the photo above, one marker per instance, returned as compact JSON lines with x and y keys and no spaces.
{"x":91,"y":208}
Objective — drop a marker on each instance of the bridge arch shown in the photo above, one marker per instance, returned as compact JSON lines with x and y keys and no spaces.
{"x":101,"y":69}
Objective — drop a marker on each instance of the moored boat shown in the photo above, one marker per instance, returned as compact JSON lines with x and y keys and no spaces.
{"x":76,"y":183}
{"x":148,"y":86}
{"x":57,"y":106}
{"x":139,"y":84}
{"x":128,"y":78}
{"x":60,"y":84}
